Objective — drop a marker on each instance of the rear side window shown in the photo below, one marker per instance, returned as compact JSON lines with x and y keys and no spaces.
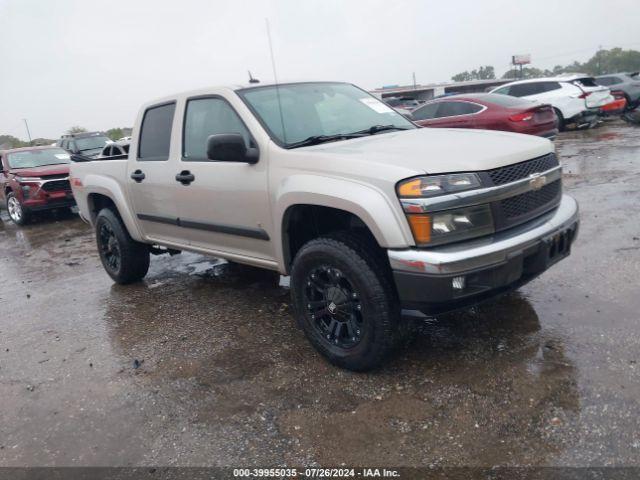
{"x":606,"y":81}
{"x":425,"y":113}
{"x":453,"y":109}
{"x":155,"y":134}
{"x":586,"y":82}
{"x":205,"y":117}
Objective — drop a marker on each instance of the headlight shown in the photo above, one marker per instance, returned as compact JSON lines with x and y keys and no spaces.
{"x":435,"y":185}
{"x":451,"y":225}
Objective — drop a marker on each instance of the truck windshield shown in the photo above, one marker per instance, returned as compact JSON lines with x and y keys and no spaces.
{"x":37,"y":158}
{"x":295,"y":113}
{"x":91,"y":143}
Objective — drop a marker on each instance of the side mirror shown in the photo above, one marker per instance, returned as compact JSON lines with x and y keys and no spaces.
{"x":230,"y":147}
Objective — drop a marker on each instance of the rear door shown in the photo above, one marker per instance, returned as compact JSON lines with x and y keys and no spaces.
{"x":150,"y":176}
{"x":226,"y":207}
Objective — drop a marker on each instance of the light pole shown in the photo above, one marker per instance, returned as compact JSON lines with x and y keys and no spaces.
{"x":28,"y":132}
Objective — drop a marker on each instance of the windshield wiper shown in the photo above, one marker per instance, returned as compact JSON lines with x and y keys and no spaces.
{"x":378,"y":128}
{"x":317,"y":139}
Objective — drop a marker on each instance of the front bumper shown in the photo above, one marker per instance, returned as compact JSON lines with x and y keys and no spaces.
{"x":489,"y":266}
{"x":49,"y":200}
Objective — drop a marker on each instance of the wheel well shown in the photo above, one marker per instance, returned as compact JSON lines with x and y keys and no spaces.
{"x":7,"y":190}
{"x":302,"y":223}
{"x":97,"y":202}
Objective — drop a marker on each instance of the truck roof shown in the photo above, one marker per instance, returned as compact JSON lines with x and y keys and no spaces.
{"x":229,"y":88}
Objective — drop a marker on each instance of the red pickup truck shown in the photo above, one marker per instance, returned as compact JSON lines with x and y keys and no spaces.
{"x":34,"y":179}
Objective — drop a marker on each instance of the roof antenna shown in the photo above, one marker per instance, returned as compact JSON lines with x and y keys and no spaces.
{"x":275,"y":78}
{"x":251,"y":79}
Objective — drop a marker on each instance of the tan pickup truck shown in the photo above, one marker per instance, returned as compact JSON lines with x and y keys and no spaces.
{"x":367,"y":213}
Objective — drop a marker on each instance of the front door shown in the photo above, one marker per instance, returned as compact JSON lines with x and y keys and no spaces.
{"x":151,"y":177}
{"x":223,"y":206}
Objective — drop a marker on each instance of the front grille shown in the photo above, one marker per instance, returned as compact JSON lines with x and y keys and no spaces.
{"x":531,"y":201}
{"x":56,"y":185}
{"x":521,"y":170}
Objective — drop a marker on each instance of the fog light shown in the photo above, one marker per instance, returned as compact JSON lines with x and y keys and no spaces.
{"x":458,"y":283}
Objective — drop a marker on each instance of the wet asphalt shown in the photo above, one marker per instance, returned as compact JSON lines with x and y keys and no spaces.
{"x":202,"y":363}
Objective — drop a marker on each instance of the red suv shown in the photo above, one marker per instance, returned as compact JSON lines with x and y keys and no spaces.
{"x":35,"y":179}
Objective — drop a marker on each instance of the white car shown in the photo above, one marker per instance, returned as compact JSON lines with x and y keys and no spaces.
{"x":575,"y":98}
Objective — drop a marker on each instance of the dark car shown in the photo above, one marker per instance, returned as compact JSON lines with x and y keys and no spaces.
{"x":89,"y":144}
{"x":35,"y":179}
{"x":489,"y":111}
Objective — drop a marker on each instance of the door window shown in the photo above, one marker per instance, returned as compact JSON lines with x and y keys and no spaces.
{"x":155,"y":134}
{"x":503,"y":91}
{"x":205,"y":117}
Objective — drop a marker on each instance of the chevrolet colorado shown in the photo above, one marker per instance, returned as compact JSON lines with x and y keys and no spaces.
{"x":367,"y":213}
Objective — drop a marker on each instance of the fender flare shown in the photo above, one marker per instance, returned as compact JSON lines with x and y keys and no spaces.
{"x":110,"y":188}
{"x":371,"y":205}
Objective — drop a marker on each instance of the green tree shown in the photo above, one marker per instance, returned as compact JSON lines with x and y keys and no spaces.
{"x":76,"y":129}
{"x":115,"y":133}
{"x":486,"y":72}
{"x":9,"y":141}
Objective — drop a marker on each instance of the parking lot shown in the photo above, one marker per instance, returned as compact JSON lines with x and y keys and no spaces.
{"x":202,"y":363}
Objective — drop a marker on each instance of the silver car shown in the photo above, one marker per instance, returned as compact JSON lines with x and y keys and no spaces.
{"x":628,"y":83}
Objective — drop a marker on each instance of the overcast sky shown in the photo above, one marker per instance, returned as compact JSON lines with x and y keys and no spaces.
{"x":92,"y":63}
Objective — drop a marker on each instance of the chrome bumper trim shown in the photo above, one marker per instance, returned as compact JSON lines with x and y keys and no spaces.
{"x":483,"y":195}
{"x":488,"y":251}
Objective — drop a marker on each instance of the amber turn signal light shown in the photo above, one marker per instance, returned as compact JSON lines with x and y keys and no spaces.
{"x":420,"y":227}
{"x":411,"y":188}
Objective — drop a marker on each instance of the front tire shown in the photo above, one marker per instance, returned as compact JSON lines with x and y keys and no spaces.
{"x":124,"y":259}
{"x":344,"y":300}
{"x":17,"y":212}
{"x":561,"y":122}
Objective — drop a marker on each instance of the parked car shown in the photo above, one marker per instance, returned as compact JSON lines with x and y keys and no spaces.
{"x":323,"y":182}
{"x":113,"y":149}
{"x":628,"y":83}
{"x":490,"y":111}
{"x":34,"y":179}
{"x":618,"y":106}
{"x":89,"y":144}
{"x":403,"y":103}
{"x":575,"y":98}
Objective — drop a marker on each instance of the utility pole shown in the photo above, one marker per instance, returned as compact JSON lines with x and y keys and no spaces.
{"x":28,"y":132}
{"x":414,"y":81}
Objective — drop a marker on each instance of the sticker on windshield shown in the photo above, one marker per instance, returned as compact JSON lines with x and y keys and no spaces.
{"x":376,"y":105}
{"x":62,"y":156}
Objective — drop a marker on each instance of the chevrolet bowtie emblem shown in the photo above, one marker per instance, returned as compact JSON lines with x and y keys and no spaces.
{"x":536,"y":181}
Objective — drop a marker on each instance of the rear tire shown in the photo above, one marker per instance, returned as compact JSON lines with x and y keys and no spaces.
{"x":17,"y":213}
{"x":561,"y":121}
{"x":344,"y":300}
{"x":124,"y":259}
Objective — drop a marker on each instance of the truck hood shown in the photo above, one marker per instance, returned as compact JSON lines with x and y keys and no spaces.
{"x":436,"y":150}
{"x":61,"y":169}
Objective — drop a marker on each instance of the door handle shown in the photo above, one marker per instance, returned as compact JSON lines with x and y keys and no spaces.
{"x":138,"y":176}
{"x":185,"y":177}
